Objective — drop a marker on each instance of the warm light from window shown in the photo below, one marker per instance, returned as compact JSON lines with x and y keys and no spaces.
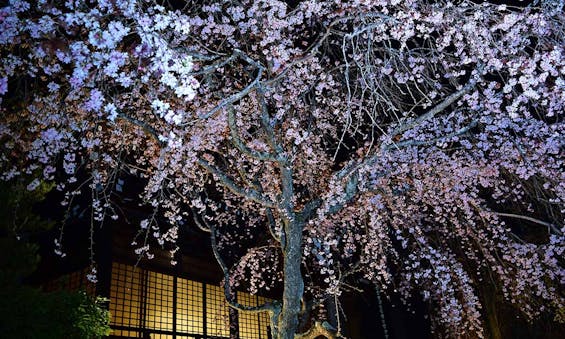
{"x":217,"y":313}
{"x":125,"y":295}
{"x":144,"y":301}
{"x":159,"y":302}
{"x":190,"y":306}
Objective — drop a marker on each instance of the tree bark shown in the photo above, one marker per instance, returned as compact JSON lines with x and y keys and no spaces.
{"x":293,"y":282}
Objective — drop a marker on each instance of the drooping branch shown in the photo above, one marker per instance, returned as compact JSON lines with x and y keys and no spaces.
{"x":551,"y":227}
{"x":351,"y":172}
{"x":200,"y":225}
{"x":272,"y":308}
{"x":272,"y":225}
{"x":267,"y":307}
{"x":309,"y":53}
{"x":315,"y":48}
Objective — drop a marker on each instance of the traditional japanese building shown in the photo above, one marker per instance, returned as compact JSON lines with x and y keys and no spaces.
{"x":152,"y":298}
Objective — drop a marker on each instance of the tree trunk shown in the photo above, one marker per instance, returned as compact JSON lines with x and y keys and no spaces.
{"x":293,"y":283}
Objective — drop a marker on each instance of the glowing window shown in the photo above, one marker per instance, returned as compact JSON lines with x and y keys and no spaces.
{"x":264,"y":320}
{"x":144,"y":302}
{"x":190,"y":307}
{"x":125,"y":295}
{"x":252,"y":325}
{"x":217,"y":312}
{"x":130,"y":334}
{"x":160,"y":336}
{"x":159,"y":302}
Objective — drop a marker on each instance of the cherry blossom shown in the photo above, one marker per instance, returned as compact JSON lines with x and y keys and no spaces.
{"x":414,"y":147}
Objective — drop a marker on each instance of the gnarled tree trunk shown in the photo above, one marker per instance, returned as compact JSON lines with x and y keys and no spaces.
{"x":293,"y":283}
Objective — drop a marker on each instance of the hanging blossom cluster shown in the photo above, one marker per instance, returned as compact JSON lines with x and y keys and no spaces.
{"x":83,"y":61}
{"x":414,"y":145}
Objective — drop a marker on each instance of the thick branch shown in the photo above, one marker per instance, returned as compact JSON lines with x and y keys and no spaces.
{"x":203,"y":57}
{"x":143,"y":125}
{"x":267,"y":307}
{"x":440,"y":107}
{"x":227,"y":182}
{"x":264,"y":156}
{"x":351,"y":190}
{"x":200,"y":225}
{"x":266,"y":124}
{"x":279,"y":157}
{"x":409,"y":143}
{"x":239,"y":95}
{"x":319,"y":329}
{"x":214,"y":66}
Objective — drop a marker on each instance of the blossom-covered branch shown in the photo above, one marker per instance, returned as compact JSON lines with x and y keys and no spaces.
{"x":417,"y":145}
